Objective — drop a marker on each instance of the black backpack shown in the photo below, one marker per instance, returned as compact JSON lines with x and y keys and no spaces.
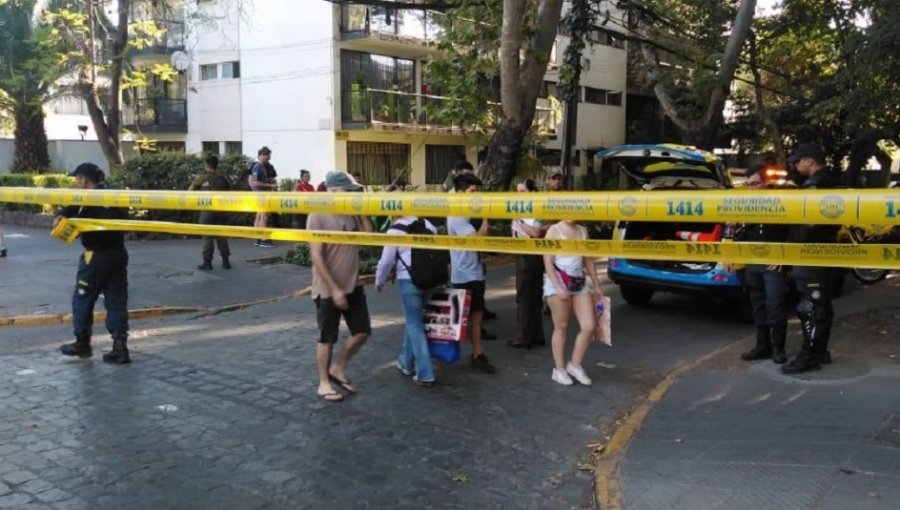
{"x":429,"y":267}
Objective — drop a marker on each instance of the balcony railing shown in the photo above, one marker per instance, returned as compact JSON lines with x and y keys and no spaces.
{"x":362,"y":21}
{"x":394,"y":110}
{"x":156,"y":115}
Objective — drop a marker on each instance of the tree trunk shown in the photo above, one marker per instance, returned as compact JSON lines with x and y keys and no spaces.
{"x":30,"y":138}
{"x":504,"y":152}
{"x":106,"y":124}
{"x":703,"y":132}
{"x":770,"y":125}
{"x":523,"y":63}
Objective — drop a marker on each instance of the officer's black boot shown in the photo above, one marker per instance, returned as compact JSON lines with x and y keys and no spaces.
{"x":823,"y":355}
{"x":81,"y":347}
{"x":225,"y":263}
{"x":763,"y":349}
{"x":119,"y":354}
{"x":779,"y":338}
{"x":805,"y":360}
{"x":205,"y":266}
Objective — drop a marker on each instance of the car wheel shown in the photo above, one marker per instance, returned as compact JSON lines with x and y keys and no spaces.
{"x":636,"y":295}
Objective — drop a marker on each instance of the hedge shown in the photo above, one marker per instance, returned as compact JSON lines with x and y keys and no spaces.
{"x":41,"y":180}
{"x":175,"y":171}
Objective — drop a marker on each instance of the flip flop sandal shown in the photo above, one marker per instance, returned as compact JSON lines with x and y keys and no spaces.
{"x":333,"y":397}
{"x":346,"y":385}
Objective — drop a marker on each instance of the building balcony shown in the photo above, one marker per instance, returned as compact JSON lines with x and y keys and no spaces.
{"x":388,"y":110}
{"x":156,"y":116}
{"x":400,"y":32}
{"x":170,"y":41}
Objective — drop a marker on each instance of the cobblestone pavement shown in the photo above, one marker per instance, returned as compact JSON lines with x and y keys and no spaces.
{"x":220,"y":412}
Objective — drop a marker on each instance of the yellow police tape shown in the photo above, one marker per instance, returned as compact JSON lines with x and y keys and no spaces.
{"x":833,"y":255}
{"x":836,"y":207}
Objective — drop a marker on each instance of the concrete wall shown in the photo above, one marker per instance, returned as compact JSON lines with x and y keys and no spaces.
{"x":64,"y":154}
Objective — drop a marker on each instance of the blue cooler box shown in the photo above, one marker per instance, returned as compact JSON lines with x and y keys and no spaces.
{"x":443,"y":350}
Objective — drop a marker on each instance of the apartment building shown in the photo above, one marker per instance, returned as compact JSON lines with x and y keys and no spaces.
{"x":343,"y":87}
{"x":329,"y":86}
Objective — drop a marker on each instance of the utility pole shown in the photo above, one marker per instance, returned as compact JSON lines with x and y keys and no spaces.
{"x":570,"y":123}
{"x":90,"y":6}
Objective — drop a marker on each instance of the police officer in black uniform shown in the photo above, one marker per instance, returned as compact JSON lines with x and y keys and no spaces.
{"x":102,"y":268}
{"x":815,"y":310}
{"x":767,"y":286}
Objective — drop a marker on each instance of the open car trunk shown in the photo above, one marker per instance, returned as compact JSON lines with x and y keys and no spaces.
{"x":667,"y":231}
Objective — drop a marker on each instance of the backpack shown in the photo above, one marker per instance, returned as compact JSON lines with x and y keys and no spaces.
{"x":429,"y":267}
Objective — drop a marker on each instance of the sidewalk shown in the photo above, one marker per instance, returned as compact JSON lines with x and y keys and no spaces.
{"x":160,"y":274}
{"x":744,"y":436}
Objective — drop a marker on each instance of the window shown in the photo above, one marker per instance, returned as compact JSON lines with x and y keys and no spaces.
{"x":600,"y":96}
{"x":362,"y":72}
{"x":608,"y":38}
{"x":614,"y":98}
{"x":234,"y":147}
{"x":210,"y":147}
{"x":594,"y":96}
{"x":209,"y":72}
{"x":439,"y":160}
{"x":231,"y":70}
{"x":170,"y":146}
{"x":378,"y":162}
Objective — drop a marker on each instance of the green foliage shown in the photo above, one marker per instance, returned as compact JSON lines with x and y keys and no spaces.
{"x":368,"y":257}
{"x":34,"y":180}
{"x":468,"y":64}
{"x":168,"y":170}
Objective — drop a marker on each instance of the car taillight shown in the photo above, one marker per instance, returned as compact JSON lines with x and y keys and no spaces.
{"x":719,"y":278}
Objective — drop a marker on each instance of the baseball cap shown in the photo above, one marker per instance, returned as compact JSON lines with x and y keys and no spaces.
{"x":89,"y":170}
{"x":342,"y":180}
{"x":264,"y":151}
{"x":556,"y":175}
{"x":807,"y":150}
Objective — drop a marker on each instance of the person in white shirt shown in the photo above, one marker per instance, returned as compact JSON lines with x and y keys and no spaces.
{"x":395,"y":262}
{"x":569,"y":283}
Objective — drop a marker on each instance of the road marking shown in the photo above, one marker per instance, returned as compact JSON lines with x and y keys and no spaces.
{"x":608,"y":486}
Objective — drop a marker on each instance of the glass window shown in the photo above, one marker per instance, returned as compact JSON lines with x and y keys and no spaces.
{"x":362,"y":72}
{"x":231,"y":70}
{"x":439,"y":160}
{"x":209,"y":72}
{"x":594,"y":96}
{"x":378,"y":162}
{"x":614,"y":98}
{"x":234,"y":147}
{"x":210,"y":147}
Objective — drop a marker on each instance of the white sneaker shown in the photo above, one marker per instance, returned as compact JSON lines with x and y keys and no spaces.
{"x":560,"y":376}
{"x":578,"y":373}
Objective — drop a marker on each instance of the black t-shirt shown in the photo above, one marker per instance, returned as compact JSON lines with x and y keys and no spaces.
{"x":263,"y":172}
{"x":102,"y":240}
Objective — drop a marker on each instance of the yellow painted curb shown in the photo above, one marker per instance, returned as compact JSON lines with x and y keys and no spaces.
{"x":63,"y":318}
{"x":608,"y":487}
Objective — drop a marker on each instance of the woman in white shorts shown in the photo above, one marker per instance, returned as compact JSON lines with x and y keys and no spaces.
{"x":569,"y":282}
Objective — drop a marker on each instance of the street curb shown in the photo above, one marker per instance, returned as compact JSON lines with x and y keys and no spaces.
{"x":607,"y":486}
{"x":62,"y":318}
{"x":150,"y":313}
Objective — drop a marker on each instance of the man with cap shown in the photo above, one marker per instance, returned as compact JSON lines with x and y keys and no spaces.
{"x":555,"y":181}
{"x":263,"y":178}
{"x":211,"y":180}
{"x":814,"y":310}
{"x":102,"y":269}
{"x":337,"y":292}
